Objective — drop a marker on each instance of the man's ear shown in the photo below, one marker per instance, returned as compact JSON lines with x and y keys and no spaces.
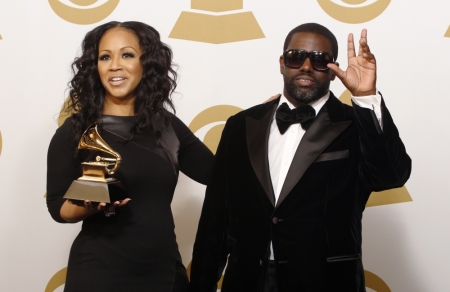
{"x":281,"y":64}
{"x":332,"y":74}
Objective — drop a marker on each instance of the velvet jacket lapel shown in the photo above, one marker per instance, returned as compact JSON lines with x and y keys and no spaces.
{"x":329,"y":123}
{"x":258,"y":129}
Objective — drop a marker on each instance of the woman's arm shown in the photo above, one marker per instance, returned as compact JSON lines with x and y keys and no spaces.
{"x":62,"y":169}
{"x":73,"y":211}
{"x":194,"y":158}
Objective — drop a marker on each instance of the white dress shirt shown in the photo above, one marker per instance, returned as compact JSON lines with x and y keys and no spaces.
{"x":282,"y":147}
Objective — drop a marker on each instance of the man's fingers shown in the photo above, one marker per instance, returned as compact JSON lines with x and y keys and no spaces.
{"x":363,"y":45}
{"x":337,"y":71}
{"x":350,"y":46}
{"x":364,"y":34}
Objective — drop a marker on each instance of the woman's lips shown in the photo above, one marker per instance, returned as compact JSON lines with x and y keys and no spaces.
{"x":116,"y":81}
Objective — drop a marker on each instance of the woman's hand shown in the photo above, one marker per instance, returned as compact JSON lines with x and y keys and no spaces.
{"x":272,"y":98}
{"x":109,"y":209}
{"x":77,"y":210}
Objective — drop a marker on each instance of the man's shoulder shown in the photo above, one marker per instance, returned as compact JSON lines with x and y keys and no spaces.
{"x":338,"y":110}
{"x":256,"y":111}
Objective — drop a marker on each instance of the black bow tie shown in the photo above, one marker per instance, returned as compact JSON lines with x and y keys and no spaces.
{"x":303,"y":114}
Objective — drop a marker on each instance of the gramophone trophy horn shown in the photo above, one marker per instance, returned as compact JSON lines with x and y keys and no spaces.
{"x":93,"y":184}
{"x":95,"y":170}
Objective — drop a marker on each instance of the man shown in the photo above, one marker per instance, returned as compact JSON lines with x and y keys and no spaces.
{"x":285,"y":201}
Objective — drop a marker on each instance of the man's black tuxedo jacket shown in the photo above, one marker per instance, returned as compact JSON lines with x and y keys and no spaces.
{"x":315,"y":225}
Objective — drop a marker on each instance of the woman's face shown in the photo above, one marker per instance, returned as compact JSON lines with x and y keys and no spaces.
{"x":119,"y":66}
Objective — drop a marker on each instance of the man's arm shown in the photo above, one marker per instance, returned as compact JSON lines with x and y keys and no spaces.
{"x":385,"y":163}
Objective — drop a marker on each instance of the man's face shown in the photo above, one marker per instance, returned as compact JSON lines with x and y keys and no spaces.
{"x":305,"y":85}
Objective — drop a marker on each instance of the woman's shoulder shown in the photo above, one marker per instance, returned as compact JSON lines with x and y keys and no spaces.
{"x":66,"y":126}
{"x":174,"y":119}
{"x":64,"y":133}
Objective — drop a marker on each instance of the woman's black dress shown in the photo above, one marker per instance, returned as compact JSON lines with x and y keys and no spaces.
{"x":134,"y":250}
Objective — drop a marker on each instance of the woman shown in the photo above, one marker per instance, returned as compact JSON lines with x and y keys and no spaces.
{"x":123,"y":80}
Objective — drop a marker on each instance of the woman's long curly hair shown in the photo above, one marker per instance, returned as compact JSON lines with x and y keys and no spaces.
{"x":153,"y":94}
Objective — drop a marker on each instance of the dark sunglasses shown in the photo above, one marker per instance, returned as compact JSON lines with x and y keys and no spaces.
{"x":296,"y":58}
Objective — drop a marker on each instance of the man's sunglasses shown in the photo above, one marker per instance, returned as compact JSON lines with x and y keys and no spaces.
{"x":296,"y":58}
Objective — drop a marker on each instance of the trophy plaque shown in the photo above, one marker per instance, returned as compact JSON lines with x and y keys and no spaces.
{"x":93,"y":185}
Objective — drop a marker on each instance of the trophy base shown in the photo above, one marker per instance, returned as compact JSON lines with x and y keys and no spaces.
{"x":95,"y":191}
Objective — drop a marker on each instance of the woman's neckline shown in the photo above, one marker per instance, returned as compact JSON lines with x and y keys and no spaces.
{"x":117,"y":116}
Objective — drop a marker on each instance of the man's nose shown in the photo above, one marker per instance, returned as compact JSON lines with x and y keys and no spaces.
{"x":306,"y":66}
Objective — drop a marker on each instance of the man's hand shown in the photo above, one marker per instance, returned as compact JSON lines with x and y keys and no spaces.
{"x":361,"y":74}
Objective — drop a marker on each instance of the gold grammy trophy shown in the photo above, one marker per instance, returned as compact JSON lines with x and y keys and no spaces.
{"x":93,"y":184}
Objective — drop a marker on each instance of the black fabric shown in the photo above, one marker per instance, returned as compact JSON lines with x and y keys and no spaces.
{"x":181,"y":282}
{"x":270,"y":278}
{"x":315,"y":227}
{"x":303,"y":114}
{"x":136,"y":249}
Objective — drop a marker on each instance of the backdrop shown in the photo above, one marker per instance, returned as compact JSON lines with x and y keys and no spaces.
{"x":227,"y":53}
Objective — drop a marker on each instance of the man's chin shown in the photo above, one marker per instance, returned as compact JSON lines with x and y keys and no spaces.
{"x":305,"y":97}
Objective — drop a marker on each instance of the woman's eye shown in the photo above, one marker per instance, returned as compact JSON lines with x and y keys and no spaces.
{"x":128,"y":55}
{"x":104,"y":57}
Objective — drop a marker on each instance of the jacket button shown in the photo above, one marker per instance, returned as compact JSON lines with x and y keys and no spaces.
{"x":260,"y":262}
{"x":275,"y":220}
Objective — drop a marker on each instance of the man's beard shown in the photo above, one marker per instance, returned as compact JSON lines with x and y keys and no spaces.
{"x":303,"y":96}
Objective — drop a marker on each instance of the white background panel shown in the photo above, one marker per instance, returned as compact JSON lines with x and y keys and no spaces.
{"x":405,"y":244}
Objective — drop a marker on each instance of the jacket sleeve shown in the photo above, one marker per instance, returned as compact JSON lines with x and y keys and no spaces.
{"x":210,"y":248}
{"x":385,"y":163}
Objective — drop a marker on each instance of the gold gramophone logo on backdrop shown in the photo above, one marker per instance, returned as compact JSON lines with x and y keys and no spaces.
{"x":217,"y":28}
{"x":354,"y":11}
{"x":57,"y":280}
{"x":447,"y":33}
{"x":83,"y":11}
{"x":215,"y":116}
